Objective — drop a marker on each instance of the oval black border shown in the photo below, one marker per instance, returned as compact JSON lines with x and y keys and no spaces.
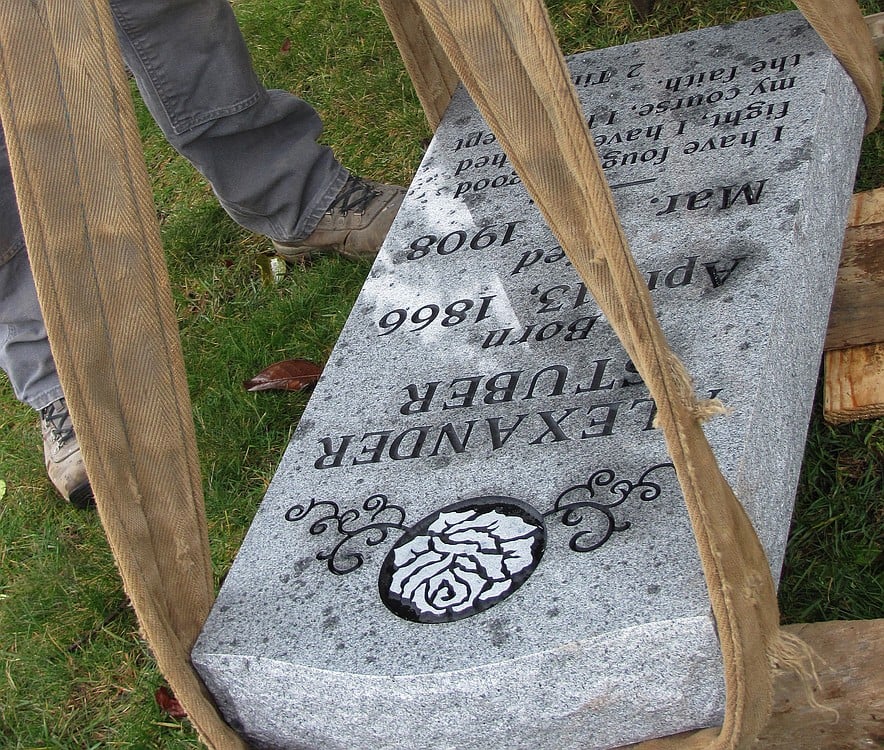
{"x":490,"y":502}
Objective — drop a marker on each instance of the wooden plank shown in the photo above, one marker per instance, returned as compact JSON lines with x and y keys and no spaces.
{"x":857,"y":316}
{"x":853,"y":383}
{"x":867,"y":207}
{"x":853,"y":365}
{"x":851,"y":655}
{"x":850,"y":713}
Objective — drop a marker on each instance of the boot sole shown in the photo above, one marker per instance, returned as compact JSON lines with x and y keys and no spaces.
{"x":300,"y":253}
{"x":82,"y":497}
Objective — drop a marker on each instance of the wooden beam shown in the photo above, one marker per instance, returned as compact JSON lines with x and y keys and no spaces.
{"x":853,"y":365}
{"x":849,"y":698}
{"x":853,"y":383}
{"x":857,"y":316}
{"x":850,"y":657}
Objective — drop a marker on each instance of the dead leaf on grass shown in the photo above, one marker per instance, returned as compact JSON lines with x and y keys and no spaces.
{"x":288,"y":375}
{"x":167,"y":701}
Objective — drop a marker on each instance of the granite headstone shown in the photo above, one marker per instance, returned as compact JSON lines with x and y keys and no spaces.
{"x":475,"y":538}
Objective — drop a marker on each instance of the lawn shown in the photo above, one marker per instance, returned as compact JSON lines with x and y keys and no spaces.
{"x":75,"y":673}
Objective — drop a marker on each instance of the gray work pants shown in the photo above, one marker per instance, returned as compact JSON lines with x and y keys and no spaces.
{"x":257,"y":148}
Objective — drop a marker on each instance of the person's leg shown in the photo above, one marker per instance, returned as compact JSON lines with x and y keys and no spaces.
{"x":25,"y":355}
{"x":257,"y":148}
{"x":24,"y":349}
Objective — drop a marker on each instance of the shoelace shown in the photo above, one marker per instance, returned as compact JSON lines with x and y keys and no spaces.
{"x":57,"y":418}
{"x":354,"y":196}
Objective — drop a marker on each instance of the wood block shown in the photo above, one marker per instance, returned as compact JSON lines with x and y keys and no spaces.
{"x":854,"y":361}
{"x":854,"y":383}
{"x":850,"y":658}
{"x":867,"y":207}
{"x":857,"y":316}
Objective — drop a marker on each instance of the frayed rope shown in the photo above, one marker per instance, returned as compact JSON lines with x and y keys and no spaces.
{"x":788,"y":652}
{"x":704,"y":409}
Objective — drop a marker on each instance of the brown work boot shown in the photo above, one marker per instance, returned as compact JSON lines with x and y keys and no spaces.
{"x":355,"y":224}
{"x":64,"y":464}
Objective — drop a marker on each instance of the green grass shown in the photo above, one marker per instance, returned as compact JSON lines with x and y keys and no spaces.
{"x":834,"y":567}
{"x":74,"y":672}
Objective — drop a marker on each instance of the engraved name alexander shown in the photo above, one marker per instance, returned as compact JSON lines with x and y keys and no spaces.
{"x":582,"y":415}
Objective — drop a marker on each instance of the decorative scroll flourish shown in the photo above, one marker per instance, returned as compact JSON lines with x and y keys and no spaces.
{"x":383,"y":517}
{"x":582,"y":505}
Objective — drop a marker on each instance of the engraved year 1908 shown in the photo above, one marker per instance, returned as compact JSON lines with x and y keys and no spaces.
{"x":460,"y":239}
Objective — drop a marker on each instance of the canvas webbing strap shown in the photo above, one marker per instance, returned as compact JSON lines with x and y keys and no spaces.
{"x":432,"y":75}
{"x":506,"y":54}
{"x":93,"y":241}
{"x":841,"y":26}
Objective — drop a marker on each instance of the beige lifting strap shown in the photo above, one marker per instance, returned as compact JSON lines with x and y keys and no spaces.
{"x":842,"y":28}
{"x":93,"y":239}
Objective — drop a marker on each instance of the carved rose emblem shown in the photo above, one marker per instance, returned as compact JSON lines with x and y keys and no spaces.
{"x":462,"y":559}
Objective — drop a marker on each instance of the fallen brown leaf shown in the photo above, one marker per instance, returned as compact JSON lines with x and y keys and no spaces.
{"x":288,"y":375}
{"x":167,"y":701}
{"x":286,"y":46}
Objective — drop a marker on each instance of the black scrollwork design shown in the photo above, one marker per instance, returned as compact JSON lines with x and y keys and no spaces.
{"x":582,"y":505}
{"x":383,"y":517}
{"x":587,"y":507}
